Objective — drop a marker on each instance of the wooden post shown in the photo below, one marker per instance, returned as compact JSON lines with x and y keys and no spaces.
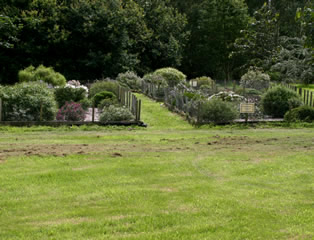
{"x":93,"y":113}
{"x":307,"y":97}
{"x":41,"y":112}
{"x":311,"y":100}
{"x":304,"y":96}
{"x":0,"y":109}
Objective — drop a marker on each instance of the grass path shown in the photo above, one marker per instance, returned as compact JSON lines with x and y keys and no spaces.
{"x":168,"y":181}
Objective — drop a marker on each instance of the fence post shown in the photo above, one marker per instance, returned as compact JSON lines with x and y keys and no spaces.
{"x":93,"y":113}
{"x":311,"y":100}
{"x":307,"y":97}
{"x":41,"y":112}
{"x":304,"y":96}
{"x":0,"y":109}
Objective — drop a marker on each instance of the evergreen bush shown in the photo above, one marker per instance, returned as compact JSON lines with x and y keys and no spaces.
{"x":277,"y":101}
{"x":113,"y":114}
{"x":71,"y":111}
{"x":103,"y":85}
{"x":302,"y":113}
{"x":101,"y":96}
{"x":171,"y":75}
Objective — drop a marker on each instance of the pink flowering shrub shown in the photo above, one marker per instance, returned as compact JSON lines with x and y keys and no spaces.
{"x":71,"y":111}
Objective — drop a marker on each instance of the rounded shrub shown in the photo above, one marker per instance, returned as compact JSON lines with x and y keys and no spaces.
{"x":71,"y":111}
{"x":103,"y":85}
{"x":277,"y":101}
{"x":204,"y":81}
{"x":130,"y":80}
{"x":302,"y":113}
{"x":69,"y":94}
{"x":171,"y":75}
{"x":28,"y":102}
{"x":218,"y":111}
{"x":101,"y":96}
{"x":256,"y":79}
{"x":107,"y":102}
{"x":86,"y":103}
{"x":115,"y":114}
{"x":155,"y":79}
{"x":42,"y":73}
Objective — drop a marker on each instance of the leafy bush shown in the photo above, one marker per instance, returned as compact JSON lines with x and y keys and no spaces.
{"x":41,"y":73}
{"x":71,"y":111}
{"x":86,"y":103}
{"x":277,"y":101}
{"x":107,"y":102}
{"x":69,"y":94}
{"x":27,"y":101}
{"x":204,"y":81}
{"x":101,"y":96}
{"x":155,"y":79}
{"x":130,"y":80}
{"x":113,"y":113}
{"x":192,"y":95}
{"x":218,"y":111}
{"x":249,"y":92}
{"x":303,"y":113}
{"x":171,"y":75}
{"x":256,"y":79}
{"x":104,"y":85}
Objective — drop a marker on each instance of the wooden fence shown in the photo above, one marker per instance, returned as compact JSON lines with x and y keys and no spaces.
{"x":125,"y":97}
{"x":305,"y":94}
{"x":129,"y":100}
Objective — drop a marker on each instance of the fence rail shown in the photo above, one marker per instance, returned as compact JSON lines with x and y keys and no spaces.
{"x":305,"y":94}
{"x":129,"y":100}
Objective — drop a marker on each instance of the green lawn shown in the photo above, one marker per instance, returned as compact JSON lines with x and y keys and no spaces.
{"x":169,"y":181}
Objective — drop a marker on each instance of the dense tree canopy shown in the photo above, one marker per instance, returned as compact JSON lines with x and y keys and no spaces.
{"x":89,"y":39}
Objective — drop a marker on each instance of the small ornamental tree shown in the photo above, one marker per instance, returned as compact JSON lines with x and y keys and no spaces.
{"x":256,"y":79}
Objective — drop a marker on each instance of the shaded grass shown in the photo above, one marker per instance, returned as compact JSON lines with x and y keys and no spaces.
{"x":169,"y":181}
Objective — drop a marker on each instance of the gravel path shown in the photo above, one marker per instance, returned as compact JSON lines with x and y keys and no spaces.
{"x":88,"y":115}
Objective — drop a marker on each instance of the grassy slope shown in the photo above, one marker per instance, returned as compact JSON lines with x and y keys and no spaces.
{"x":169,"y":181}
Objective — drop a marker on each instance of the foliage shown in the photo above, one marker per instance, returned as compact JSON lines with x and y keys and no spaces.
{"x":217,"y":111}
{"x":156,"y":79}
{"x":104,"y":85}
{"x":130,"y":80}
{"x":227,"y":97}
{"x":192,"y":95}
{"x":204,"y":81}
{"x":42,"y":73}
{"x":71,"y":111}
{"x":256,"y":79}
{"x":277,"y":101}
{"x":171,"y":75}
{"x":108,"y":102}
{"x":28,"y":102}
{"x":259,"y":40}
{"x":8,"y":31}
{"x":293,"y":62}
{"x":101,"y":96}
{"x":115,"y":114}
{"x":305,"y":17}
{"x":86,"y":103}
{"x":69,"y":94}
{"x":303,"y":113}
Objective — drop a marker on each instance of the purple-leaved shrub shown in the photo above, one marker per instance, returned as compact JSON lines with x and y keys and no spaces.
{"x":71,"y":111}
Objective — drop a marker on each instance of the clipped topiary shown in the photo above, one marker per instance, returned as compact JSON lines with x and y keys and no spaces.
{"x":130,"y":80}
{"x":42,"y":73}
{"x":28,"y":102}
{"x":218,"y":111}
{"x":101,"y":96}
{"x":171,"y":75}
{"x":115,"y":114}
{"x":277,"y":101}
{"x":303,"y":113}
{"x":103,"y":85}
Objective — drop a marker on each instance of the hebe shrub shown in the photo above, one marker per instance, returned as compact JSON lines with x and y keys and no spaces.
{"x":171,"y":75}
{"x":69,"y":94}
{"x":27,"y":102}
{"x":107,"y":102}
{"x":218,"y":111}
{"x":101,"y":96}
{"x":41,"y":73}
{"x":277,"y":101}
{"x":256,"y":79}
{"x":71,"y":111}
{"x":303,"y":113}
{"x":130,"y":80}
{"x":112,"y":114}
{"x":104,"y":85}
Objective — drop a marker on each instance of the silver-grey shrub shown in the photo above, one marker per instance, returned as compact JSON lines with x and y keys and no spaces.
{"x":115,"y":114}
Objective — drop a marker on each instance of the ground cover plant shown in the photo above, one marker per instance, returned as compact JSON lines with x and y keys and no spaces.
{"x":169,"y":181}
